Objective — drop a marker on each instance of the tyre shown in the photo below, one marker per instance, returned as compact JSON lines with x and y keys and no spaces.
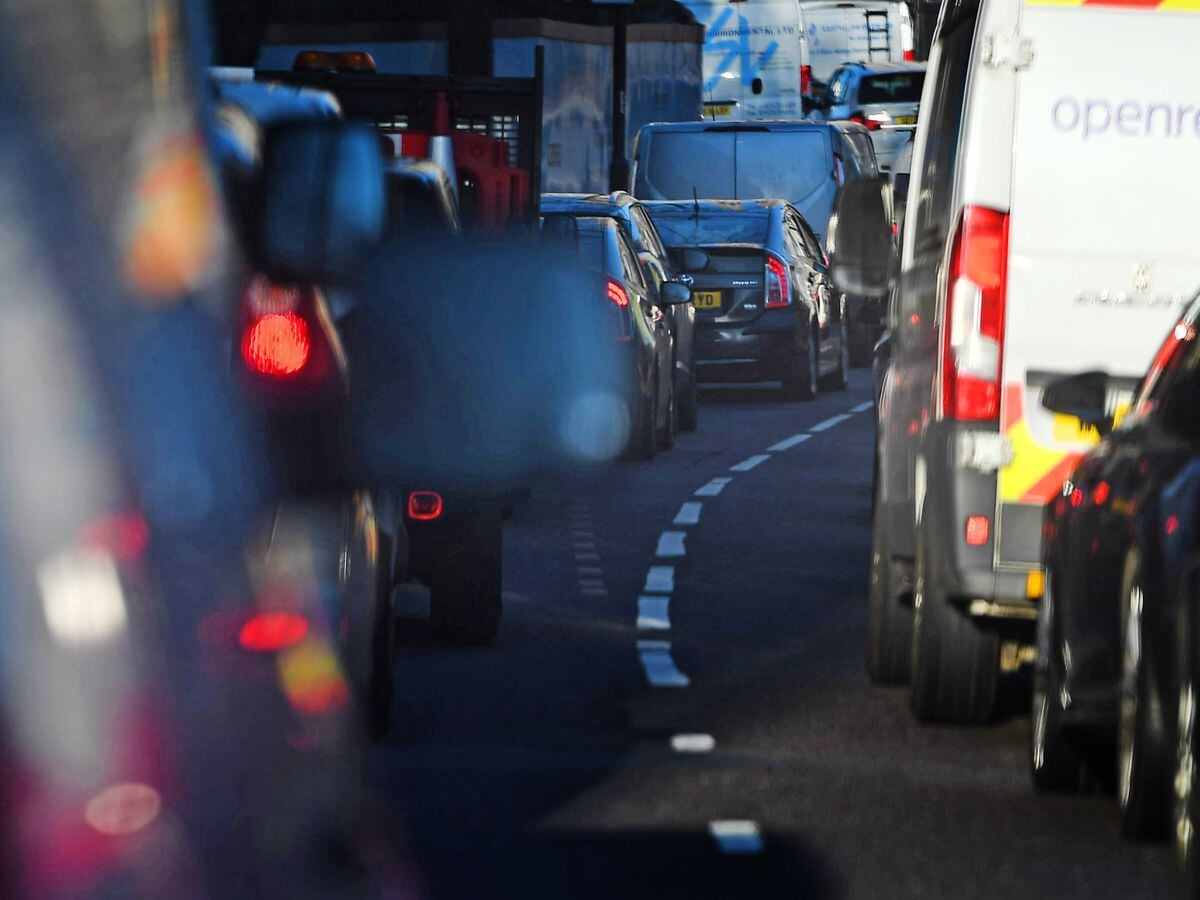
{"x":465,"y":592}
{"x":955,"y":663}
{"x":689,"y":405}
{"x":800,"y":380}
{"x":666,"y":434}
{"x":1142,"y":768}
{"x":1185,"y":814}
{"x":1055,"y":763}
{"x":381,"y":686}
{"x":889,"y":618}
{"x":643,"y":440}
{"x":863,"y":336}
{"x":839,"y":377}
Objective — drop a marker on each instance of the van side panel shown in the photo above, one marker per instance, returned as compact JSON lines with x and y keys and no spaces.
{"x":835,"y":33}
{"x":1103,"y":249}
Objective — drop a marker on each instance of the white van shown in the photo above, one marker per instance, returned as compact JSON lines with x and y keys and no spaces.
{"x":1050,"y":229}
{"x":761,"y":57}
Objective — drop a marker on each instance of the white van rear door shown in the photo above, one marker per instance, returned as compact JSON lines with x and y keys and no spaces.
{"x":1103,"y":249}
{"x":853,"y":31}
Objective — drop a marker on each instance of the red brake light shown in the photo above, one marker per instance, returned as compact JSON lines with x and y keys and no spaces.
{"x":873,"y":122}
{"x":1100,"y":494}
{"x":269,"y":632}
{"x":1172,"y":524}
{"x":806,"y":80}
{"x":779,"y":288}
{"x":978,"y":528}
{"x":278,"y":344}
{"x":425,"y":506}
{"x":973,"y":326}
{"x":617,"y":295}
{"x":910,"y":55}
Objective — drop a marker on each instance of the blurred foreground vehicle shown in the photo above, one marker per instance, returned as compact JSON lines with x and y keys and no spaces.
{"x":1014,"y":271}
{"x":658,"y":268}
{"x":1121,"y":542}
{"x":766,"y":308}
{"x":884,"y":98}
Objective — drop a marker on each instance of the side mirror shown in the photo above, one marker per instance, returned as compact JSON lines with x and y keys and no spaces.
{"x":694,"y":260}
{"x":1083,"y":396}
{"x":323,"y":204}
{"x":859,"y":241}
{"x":674,"y":293}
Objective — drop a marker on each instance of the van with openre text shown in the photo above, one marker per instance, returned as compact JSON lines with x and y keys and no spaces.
{"x":1050,"y":230}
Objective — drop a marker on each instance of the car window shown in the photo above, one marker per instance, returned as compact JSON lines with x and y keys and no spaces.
{"x":899,"y":87}
{"x":1163,"y":369}
{"x":945,"y":130}
{"x":838,"y":85}
{"x":647,"y":234}
{"x":864,"y":150}
{"x":811,"y":243}
{"x":1178,"y":395}
{"x":629,"y":262}
{"x":681,"y":229}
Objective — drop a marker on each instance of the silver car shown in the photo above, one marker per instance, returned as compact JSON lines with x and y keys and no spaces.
{"x":883,"y":97}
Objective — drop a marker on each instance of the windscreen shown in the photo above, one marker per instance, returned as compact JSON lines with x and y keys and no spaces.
{"x":734,"y":165}
{"x":728,"y":228}
{"x":901,"y":87}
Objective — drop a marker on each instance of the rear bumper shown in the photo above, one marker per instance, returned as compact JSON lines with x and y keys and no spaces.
{"x":760,"y":349}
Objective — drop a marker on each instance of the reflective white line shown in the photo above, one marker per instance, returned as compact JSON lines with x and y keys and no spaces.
{"x":689,"y":514}
{"x":653,"y":614}
{"x":747,"y":464}
{"x":594,"y":592}
{"x":736,"y":835}
{"x":587,"y":557}
{"x":794,"y":441}
{"x":670,"y":543}
{"x":660,"y":580}
{"x":693,"y":743}
{"x":584,"y":545}
{"x":659,"y":667}
{"x":713,"y":488}
{"x":862,"y":407}
{"x":591,"y":582}
{"x":588,"y":570}
{"x":829,"y":423}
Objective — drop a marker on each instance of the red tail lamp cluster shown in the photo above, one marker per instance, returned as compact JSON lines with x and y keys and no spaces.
{"x":425,"y":506}
{"x":270,"y":632}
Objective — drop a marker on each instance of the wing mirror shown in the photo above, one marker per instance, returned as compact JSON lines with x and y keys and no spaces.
{"x":694,"y":260}
{"x":674,"y":293}
{"x":323,"y":205}
{"x":859,"y":242}
{"x":1083,"y":396}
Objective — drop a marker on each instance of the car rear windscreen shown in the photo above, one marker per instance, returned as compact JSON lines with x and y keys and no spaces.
{"x":733,"y":165}
{"x":901,"y":87}
{"x":729,"y":228}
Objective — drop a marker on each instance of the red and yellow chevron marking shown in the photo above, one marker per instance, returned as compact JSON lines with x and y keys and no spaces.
{"x":1168,"y":5}
{"x":1037,"y":472}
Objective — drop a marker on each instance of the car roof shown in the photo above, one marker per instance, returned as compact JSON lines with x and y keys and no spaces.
{"x":587,"y":204}
{"x":889,"y":67}
{"x":712,"y":207}
{"x":845,"y":125}
{"x":739,"y":125}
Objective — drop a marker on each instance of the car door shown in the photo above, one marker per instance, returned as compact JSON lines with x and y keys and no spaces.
{"x":818,"y":287}
{"x":682,"y":316}
{"x":840,"y":86}
{"x":648,"y":321}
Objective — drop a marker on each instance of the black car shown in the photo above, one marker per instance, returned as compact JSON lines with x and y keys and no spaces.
{"x":631,"y":215}
{"x":767,"y":309}
{"x":1119,"y":542}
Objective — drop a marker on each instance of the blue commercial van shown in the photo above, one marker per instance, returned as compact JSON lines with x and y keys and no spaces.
{"x":801,"y":162}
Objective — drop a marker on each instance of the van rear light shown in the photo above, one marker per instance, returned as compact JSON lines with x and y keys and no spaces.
{"x":425,"y":506}
{"x":872,"y":122}
{"x":910,"y":55}
{"x":779,"y":286}
{"x":973,"y":326}
{"x":806,"y":81}
{"x":270,"y":632}
{"x":978,"y":528}
{"x":277,"y":345}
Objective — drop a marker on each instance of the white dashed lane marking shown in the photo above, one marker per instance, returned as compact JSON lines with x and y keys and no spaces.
{"x":794,"y":441}
{"x":829,"y":423}
{"x":693,"y":743}
{"x":587,"y":557}
{"x":736,"y":835}
{"x":747,"y":464}
{"x":585,"y":571}
{"x":862,"y":407}
{"x":689,"y":514}
{"x":659,"y":667}
{"x":653,"y":613}
{"x":594,"y":592}
{"x":660,"y":580}
{"x":670,"y":543}
{"x":713,"y":488}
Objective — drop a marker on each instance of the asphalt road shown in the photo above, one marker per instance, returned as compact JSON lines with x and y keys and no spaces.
{"x":544,"y":766}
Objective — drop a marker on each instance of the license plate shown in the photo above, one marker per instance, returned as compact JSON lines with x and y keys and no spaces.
{"x":718,"y":109}
{"x":905,"y":120}
{"x":707,"y":299}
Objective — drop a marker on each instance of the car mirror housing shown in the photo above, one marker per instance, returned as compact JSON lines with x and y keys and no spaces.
{"x":860,"y":243}
{"x":1083,"y":396}
{"x":674,"y":293}
{"x":323,"y":208}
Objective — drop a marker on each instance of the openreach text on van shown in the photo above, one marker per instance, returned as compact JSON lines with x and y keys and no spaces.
{"x":1129,"y":118}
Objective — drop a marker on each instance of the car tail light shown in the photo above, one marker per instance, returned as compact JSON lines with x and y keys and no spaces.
{"x":872,"y":122}
{"x":978,"y":528}
{"x":973,"y":326}
{"x":425,"y":506}
{"x":806,"y":80}
{"x":779,"y":286}
{"x":910,"y":55}
{"x":277,"y":344}
{"x":619,"y":297}
{"x":269,"y":632}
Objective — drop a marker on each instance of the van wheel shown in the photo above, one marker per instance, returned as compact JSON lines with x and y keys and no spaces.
{"x":800,"y":380}
{"x":840,"y":377}
{"x":465,"y":593}
{"x":889,"y":618}
{"x":643,"y":440}
{"x":1055,"y":764}
{"x":955,"y":663}
{"x":1142,"y":780}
